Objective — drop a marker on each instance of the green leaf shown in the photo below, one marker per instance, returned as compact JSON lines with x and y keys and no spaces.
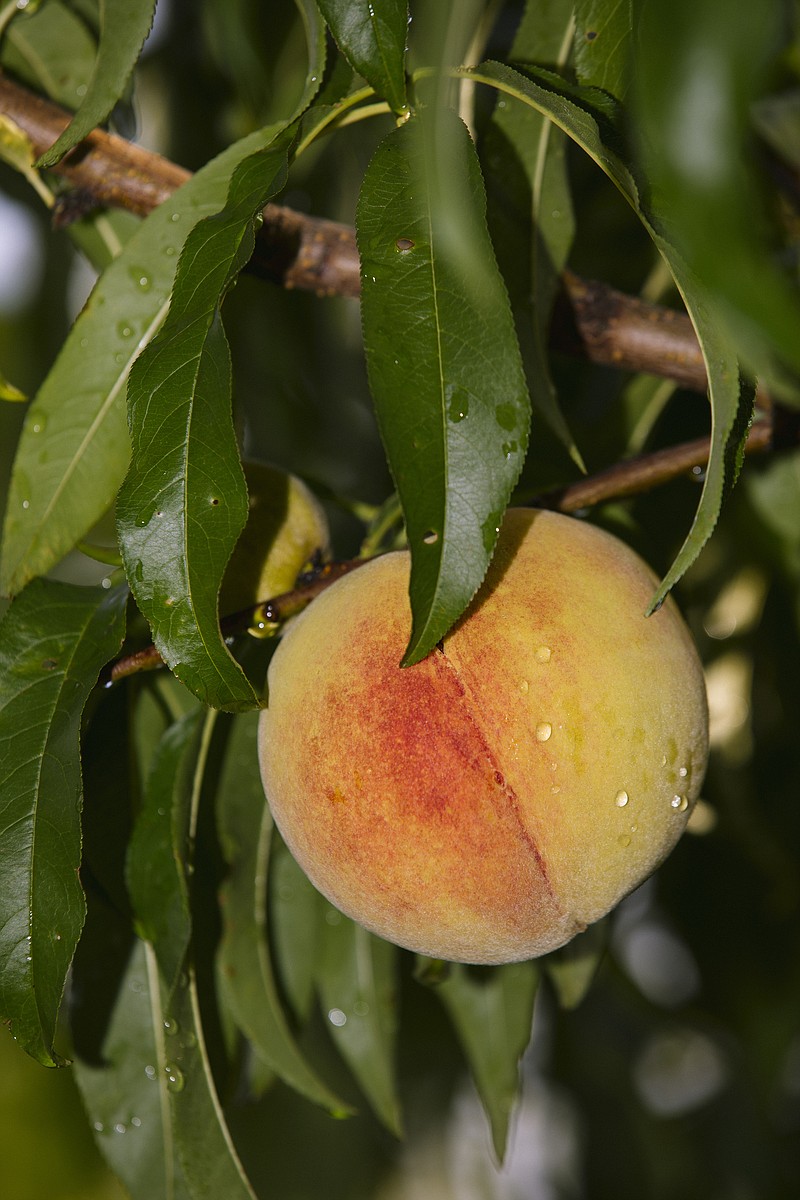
{"x":603,"y":44}
{"x":54,"y":640}
{"x":572,"y":968}
{"x":371,"y":34}
{"x":443,"y":360}
{"x":75,"y":442}
{"x":184,"y":501}
{"x":296,"y":912}
{"x":492,"y":1011}
{"x":123,"y":29}
{"x":694,"y":115}
{"x":357,"y":982}
{"x":203,"y":1141}
{"x":732,"y":403}
{"x":591,"y":119}
{"x":156,"y":858}
{"x":530,"y":206}
{"x":52,"y":50}
{"x":120,"y":1045}
{"x":245,"y":970}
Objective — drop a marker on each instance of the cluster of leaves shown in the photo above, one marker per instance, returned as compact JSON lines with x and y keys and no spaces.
{"x":190,"y":933}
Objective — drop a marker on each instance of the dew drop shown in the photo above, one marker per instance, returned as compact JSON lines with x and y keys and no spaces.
{"x":679,"y":803}
{"x":150,"y":1071}
{"x":175,"y":217}
{"x":542,"y":654}
{"x":26,"y":503}
{"x":99,"y":1127}
{"x":40,"y":425}
{"x":120,"y":1128}
{"x":171,"y":1026}
{"x":543,"y":731}
{"x":621,"y":799}
{"x":175,"y":1080}
{"x":124,"y":329}
{"x":169,"y":251}
{"x":555,"y":790}
{"x":524,"y":686}
{"x":506,"y":417}
{"x":337,"y":1017}
{"x":136,"y":1122}
{"x":683,"y":772}
{"x":140,"y":278}
{"x":624,"y":840}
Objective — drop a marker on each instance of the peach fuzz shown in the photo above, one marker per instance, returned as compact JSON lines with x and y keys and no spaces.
{"x":487,"y":804}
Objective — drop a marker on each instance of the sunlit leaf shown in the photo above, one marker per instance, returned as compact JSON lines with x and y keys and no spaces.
{"x":184,"y":501}
{"x":372,"y":36}
{"x":123,"y":29}
{"x":492,"y":1011}
{"x":357,"y":981}
{"x":443,"y":361}
{"x":54,"y":640}
{"x":245,"y":828}
{"x":75,"y":443}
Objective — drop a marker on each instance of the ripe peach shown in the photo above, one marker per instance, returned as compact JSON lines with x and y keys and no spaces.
{"x":488,"y":803}
{"x":286,"y":525}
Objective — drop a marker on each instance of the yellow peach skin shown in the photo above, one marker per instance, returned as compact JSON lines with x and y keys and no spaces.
{"x":487,"y":804}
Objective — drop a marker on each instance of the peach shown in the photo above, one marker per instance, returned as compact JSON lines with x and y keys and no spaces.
{"x":487,"y":804}
{"x":286,"y":526}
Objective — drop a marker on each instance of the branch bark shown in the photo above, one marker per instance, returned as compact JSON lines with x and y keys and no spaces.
{"x":312,"y":253}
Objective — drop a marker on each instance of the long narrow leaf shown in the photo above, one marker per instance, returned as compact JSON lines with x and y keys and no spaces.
{"x":123,"y":29}
{"x":155,"y":872}
{"x":245,"y":827}
{"x":371,"y":34}
{"x":443,"y":360}
{"x":54,"y":640}
{"x":492,"y":1012}
{"x":75,"y":443}
{"x":357,"y":982}
{"x":184,"y":502}
{"x":591,"y":119}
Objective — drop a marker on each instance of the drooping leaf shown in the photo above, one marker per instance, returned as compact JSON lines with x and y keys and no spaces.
{"x":155,"y":869}
{"x":694,"y":122}
{"x":591,"y":119}
{"x":371,"y":34}
{"x":119,"y":1043}
{"x":296,"y":910}
{"x":492,"y":1011}
{"x":530,"y":205}
{"x":572,"y":968}
{"x":123,"y":29}
{"x":443,"y":360}
{"x":203,"y":1141}
{"x":184,"y":501}
{"x":357,"y":985}
{"x":51,"y":49}
{"x":54,"y":640}
{"x":603,"y":44}
{"x":245,"y":970}
{"x":75,"y":441}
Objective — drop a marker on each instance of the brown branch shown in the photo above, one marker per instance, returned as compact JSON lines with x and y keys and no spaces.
{"x":311,"y":253}
{"x":627,"y":478}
